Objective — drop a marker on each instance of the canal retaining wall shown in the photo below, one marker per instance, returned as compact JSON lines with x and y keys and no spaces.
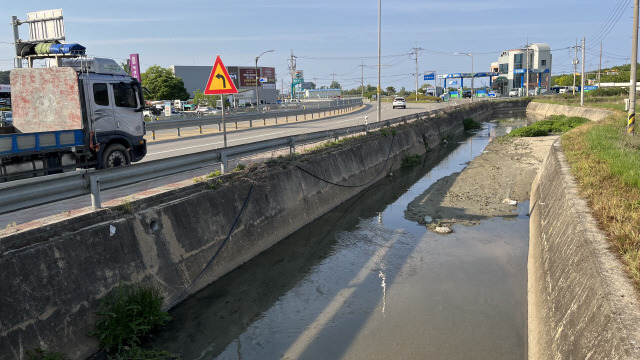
{"x":54,"y":276}
{"x":581,"y":304}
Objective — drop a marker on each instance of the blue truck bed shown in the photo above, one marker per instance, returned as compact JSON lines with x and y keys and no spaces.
{"x":19,"y":144}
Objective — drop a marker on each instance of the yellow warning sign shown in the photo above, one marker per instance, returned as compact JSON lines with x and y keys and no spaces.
{"x":219,"y":81}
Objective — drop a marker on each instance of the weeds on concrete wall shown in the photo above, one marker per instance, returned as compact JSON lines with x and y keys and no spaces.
{"x":127,"y":315}
{"x":39,"y":354}
{"x":409,"y":161}
{"x":470,"y":124}
{"x":557,"y":124}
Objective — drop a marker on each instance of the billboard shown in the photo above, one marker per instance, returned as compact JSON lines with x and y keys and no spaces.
{"x":233,"y":74}
{"x":269,"y":73}
{"x":247,"y":76}
{"x":298,"y":77}
{"x":430,"y":75}
{"x":134,"y":66}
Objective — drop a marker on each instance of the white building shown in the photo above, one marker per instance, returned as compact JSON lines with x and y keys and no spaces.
{"x":534,"y":61}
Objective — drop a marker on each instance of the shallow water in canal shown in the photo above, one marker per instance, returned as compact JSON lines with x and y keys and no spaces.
{"x":362,"y":282}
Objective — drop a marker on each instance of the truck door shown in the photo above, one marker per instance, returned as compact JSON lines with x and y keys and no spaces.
{"x":101,"y":108}
{"x":126,"y":111}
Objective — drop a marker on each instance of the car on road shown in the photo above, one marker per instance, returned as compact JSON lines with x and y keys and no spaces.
{"x":514,"y":92}
{"x":6,"y":118}
{"x":207,"y":111}
{"x":466,"y":94}
{"x":399,"y":102}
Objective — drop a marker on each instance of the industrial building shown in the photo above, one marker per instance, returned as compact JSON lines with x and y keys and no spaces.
{"x":244,"y":78}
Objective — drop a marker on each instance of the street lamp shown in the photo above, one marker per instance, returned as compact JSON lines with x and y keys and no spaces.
{"x":257,"y":79}
{"x":469,"y":54}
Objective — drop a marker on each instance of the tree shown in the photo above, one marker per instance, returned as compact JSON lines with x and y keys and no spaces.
{"x":391,"y":90}
{"x":4,"y":77}
{"x":199,"y":98}
{"x":126,"y":67}
{"x":335,"y":85}
{"x":163,"y":84}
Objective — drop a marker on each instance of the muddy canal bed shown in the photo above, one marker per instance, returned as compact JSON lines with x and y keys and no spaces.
{"x":366,"y":282}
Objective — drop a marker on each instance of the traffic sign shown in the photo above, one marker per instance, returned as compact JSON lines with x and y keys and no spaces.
{"x":430,"y":75}
{"x":219,"y":81}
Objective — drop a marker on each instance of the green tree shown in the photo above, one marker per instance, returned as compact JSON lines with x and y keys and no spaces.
{"x":163,"y":84}
{"x":125,"y":66}
{"x":335,"y":85}
{"x":390,"y":90}
{"x":4,"y":77}
{"x":199,"y":98}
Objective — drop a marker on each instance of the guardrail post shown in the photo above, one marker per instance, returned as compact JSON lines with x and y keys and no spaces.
{"x":224,"y":163}
{"x":178,"y":132}
{"x":94,"y":183}
{"x":219,"y":127}
{"x":200,"y":127}
{"x":292,"y":145}
{"x":236,"y":125}
{"x":264,"y":122}
{"x":296,"y":117}
{"x":250,"y":124}
{"x":153,"y":133}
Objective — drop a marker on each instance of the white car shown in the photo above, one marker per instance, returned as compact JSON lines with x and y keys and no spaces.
{"x":515,"y":92}
{"x":399,"y":102}
{"x":207,"y":110}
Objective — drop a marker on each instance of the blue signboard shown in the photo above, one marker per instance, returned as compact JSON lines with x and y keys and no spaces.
{"x":519,"y":71}
{"x":589,"y":88}
{"x":430,"y":76}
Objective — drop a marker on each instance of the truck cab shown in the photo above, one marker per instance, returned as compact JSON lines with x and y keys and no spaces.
{"x":84,"y":112}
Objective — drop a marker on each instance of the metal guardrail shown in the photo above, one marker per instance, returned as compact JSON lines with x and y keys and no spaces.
{"x":313,"y":108}
{"x":22,"y":194}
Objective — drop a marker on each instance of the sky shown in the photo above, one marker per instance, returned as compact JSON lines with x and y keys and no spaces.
{"x":337,"y":40}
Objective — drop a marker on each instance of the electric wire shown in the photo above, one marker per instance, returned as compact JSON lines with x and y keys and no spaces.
{"x":185,"y":291}
{"x":352,"y":186}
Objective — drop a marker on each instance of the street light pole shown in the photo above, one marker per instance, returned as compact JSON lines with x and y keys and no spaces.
{"x":379,"y":56}
{"x":257,"y":79}
{"x":470,"y":55}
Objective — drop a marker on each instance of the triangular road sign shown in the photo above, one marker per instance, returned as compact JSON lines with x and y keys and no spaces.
{"x":219,"y":81}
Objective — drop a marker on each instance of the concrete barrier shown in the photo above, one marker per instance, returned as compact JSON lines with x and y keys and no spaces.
{"x":543,"y":110}
{"x":581,"y":303}
{"x":53,"y":277}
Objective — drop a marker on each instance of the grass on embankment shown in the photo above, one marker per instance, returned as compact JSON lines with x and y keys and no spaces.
{"x":606,"y":164}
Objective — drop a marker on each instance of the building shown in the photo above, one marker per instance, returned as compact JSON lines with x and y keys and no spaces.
{"x":516,"y":65}
{"x":244,"y":78}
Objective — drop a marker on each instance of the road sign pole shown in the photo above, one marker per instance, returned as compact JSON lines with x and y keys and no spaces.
{"x":224,"y":125}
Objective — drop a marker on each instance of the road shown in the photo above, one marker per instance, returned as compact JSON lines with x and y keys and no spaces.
{"x":167,"y":144}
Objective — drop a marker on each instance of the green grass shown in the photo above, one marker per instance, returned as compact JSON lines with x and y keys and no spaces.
{"x":556,"y":124}
{"x":126,"y":315}
{"x":618,"y":150}
{"x":605,"y":161}
{"x":409,"y":161}
{"x":470,"y":124}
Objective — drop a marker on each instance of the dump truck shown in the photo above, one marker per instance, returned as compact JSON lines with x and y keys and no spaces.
{"x":83,"y":112}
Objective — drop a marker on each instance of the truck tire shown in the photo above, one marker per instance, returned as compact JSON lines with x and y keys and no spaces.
{"x":115,"y":155}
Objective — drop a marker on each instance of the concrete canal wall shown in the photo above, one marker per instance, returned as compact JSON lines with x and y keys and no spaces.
{"x":54,"y":276}
{"x":581,"y":303}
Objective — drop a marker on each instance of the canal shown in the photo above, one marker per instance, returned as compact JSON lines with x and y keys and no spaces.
{"x":362,"y":282}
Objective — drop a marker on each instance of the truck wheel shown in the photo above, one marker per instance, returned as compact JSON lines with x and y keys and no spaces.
{"x":115,"y":155}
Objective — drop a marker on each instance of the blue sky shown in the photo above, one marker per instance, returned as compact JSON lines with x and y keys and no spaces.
{"x":331,"y":38}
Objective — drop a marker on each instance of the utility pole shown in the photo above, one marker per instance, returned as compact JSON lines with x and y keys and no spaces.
{"x":415,"y":51}
{"x":292,"y":69}
{"x":634,"y":64}
{"x":362,"y":79}
{"x":600,"y":64}
{"x":582,"y":77}
{"x":575,"y":64}
{"x":333,"y":77}
{"x":526,"y":90}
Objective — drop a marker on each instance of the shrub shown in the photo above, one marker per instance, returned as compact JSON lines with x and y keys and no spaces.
{"x":126,"y":315}
{"x":39,"y":354}
{"x":470,"y":124}
{"x":409,"y":161}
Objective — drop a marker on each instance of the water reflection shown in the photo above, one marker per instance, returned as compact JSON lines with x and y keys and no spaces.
{"x":362,"y":282}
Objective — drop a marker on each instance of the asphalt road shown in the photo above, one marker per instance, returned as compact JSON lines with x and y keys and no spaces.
{"x":168,"y":144}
